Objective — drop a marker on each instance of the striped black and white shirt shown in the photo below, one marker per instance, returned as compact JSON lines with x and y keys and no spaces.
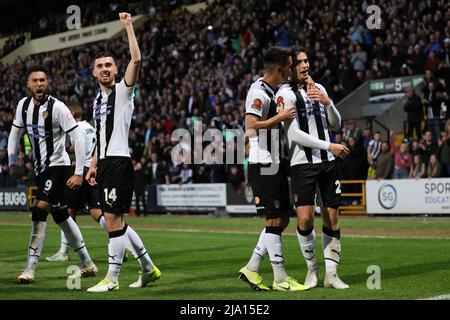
{"x":113,"y":110}
{"x":89,"y":136}
{"x":312,"y":119}
{"x":260,"y":102}
{"x":374,"y":148}
{"x":46,"y":126}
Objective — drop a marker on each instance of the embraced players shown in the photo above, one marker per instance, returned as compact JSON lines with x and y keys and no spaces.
{"x":267,"y":178}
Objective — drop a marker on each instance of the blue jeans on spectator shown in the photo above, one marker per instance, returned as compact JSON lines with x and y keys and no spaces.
{"x":434,"y":125}
{"x":401,"y":173}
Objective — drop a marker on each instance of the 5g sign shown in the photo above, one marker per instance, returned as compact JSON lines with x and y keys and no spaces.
{"x":374,"y":20}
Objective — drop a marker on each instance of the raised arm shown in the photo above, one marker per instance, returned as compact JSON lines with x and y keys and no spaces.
{"x":132,"y":71}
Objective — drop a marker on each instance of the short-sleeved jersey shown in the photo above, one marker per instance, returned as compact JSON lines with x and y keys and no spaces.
{"x":311,"y":118}
{"x":260,"y":103}
{"x":46,"y":126}
{"x":113,"y":110}
{"x":89,"y":136}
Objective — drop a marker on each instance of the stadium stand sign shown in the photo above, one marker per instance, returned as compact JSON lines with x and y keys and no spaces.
{"x":431,"y":196}
{"x":200,"y":198}
{"x":13,"y":199}
{"x":102,"y":31}
{"x":392,"y":88}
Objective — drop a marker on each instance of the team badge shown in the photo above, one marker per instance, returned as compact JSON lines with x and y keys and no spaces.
{"x":280,"y":102}
{"x":108,"y":91}
{"x":257,"y":104}
{"x":45,"y":114}
{"x":277,"y":204}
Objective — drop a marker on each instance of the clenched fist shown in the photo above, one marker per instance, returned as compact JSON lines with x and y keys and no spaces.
{"x":125,"y":18}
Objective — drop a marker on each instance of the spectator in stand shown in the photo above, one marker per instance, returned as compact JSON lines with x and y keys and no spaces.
{"x":236,"y":177}
{"x":402,"y":158}
{"x":140,"y":180}
{"x":367,"y":137}
{"x":443,"y":153}
{"x":157,"y":171}
{"x":414,"y":110}
{"x":186,"y":174}
{"x":385,"y":163}
{"x":374,"y":147}
{"x":417,"y":169}
{"x":434,"y":167}
{"x":351,"y":130}
{"x":429,"y":146}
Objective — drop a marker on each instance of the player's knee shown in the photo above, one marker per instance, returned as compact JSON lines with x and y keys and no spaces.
{"x":38,"y":214}
{"x":60,"y":215}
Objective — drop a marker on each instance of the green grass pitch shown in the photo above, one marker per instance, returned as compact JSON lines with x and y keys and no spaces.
{"x":199,"y":257}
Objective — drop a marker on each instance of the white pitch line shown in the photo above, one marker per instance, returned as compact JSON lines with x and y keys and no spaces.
{"x":440,"y":297}
{"x":137,"y":227}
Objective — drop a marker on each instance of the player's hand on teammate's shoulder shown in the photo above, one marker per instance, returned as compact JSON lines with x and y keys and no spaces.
{"x":339,"y":150}
{"x":75,"y":181}
{"x":286,"y":113}
{"x":125,"y":18}
{"x":90,"y":176}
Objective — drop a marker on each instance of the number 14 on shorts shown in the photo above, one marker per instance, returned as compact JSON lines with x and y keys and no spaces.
{"x":110,"y":196}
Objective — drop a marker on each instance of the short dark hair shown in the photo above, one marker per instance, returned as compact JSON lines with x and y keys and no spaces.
{"x":37,"y":68}
{"x":102,"y":54}
{"x":275,"y":56}
{"x":76,"y":110}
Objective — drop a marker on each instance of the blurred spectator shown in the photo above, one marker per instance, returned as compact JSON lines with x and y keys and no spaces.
{"x":139,"y":188}
{"x":417,"y":169}
{"x":434,"y":167}
{"x":402,"y":158}
{"x":235,"y":177}
{"x":186,"y":174}
{"x":157,"y":171}
{"x":414,"y":109}
{"x":385,"y":163}
{"x":443,"y":153}
{"x":351,"y":130}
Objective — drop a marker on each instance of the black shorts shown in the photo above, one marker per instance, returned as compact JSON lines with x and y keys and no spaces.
{"x":52,"y":185}
{"x":271,"y":192}
{"x":305,"y":177}
{"x":115,"y":181}
{"x":87,"y":194}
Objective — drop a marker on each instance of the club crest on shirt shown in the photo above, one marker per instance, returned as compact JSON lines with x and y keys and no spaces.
{"x":257,"y":104}
{"x":280,"y":102}
{"x":45,"y":114}
{"x":108,"y":91}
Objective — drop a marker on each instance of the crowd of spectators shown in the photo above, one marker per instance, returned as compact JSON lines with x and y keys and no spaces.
{"x":199,"y":66}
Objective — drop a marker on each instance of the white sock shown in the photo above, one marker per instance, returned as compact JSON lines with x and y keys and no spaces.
{"x":138,"y":248}
{"x":307,"y":242}
{"x":128,"y":245}
{"x":116,"y":251}
{"x":272,"y":238}
{"x":64,"y":248}
{"x":258,"y":253}
{"x":73,"y":234}
{"x":331,"y":249}
{"x":36,"y":243}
